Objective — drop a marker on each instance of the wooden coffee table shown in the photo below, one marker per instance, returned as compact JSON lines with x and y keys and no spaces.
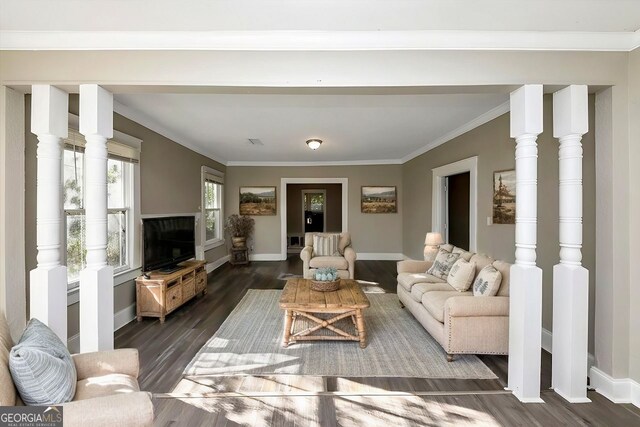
{"x":299,"y":300}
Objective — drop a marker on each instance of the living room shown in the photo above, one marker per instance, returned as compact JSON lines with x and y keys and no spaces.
{"x":188,"y":143}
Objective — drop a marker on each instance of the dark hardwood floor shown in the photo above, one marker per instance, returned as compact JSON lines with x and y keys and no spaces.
{"x":165,"y":350}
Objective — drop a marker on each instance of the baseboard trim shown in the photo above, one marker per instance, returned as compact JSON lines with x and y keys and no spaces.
{"x":617,"y":390}
{"x":73,"y":344}
{"x":217,"y":263}
{"x":380,"y":256}
{"x":265,"y":257}
{"x":547,"y":344}
{"x":124,"y":316}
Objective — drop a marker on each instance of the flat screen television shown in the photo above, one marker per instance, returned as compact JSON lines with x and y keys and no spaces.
{"x":167,"y":242}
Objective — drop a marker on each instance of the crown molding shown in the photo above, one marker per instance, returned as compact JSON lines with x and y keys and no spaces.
{"x":318,"y":40}
{"x":319,"y":163}
{"x":153,"y":125}
{"x":478,"y":121}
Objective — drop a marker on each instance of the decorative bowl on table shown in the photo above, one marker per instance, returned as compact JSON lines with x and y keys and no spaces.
{"x":325,"y":280}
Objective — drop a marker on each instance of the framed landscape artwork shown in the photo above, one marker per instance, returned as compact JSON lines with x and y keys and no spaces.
{"x":379,"y":200}
{"x":504,"y":197}
{"x":258,"y":201}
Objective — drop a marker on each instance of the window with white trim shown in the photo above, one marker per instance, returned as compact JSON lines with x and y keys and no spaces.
{"x":122,"y":174}
{"x":212,"y":207}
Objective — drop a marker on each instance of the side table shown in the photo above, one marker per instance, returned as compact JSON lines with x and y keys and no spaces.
{"x":239,"y":256}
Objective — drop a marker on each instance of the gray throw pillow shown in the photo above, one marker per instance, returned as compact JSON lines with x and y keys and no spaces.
{"x":41,"y":367}
{"x":442,"y":264}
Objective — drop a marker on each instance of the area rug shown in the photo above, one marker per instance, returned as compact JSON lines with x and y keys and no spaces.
{"x":249,"y":343}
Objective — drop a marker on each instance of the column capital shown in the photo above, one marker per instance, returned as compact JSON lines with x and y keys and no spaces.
{"x":526,"y":110}
{"x":570,"y":111}
{"x":49,"y":111}
{"x":96,"y":111}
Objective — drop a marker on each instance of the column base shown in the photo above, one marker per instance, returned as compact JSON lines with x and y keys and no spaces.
{"x":570,"y":332}
{"x":48,"y":298}
{"x":96,"y":309}
{"x":525,"y":332}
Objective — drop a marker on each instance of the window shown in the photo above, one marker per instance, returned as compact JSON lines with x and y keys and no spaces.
{"x":122,"y":239}
{"x":212,"y":202}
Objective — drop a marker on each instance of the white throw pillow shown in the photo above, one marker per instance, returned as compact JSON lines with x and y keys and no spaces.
{"x":326,"y":245}
{"x":488,"y":282}
{"x":461,"y":275}
{"x":442,"y":264}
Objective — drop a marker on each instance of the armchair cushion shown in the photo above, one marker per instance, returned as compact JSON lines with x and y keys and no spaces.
{"x":337,"y":262}
{"x":122,"y":410}
{"x":121,"y":361}
{"x":105,"y":385}
{"x":41,"y":367}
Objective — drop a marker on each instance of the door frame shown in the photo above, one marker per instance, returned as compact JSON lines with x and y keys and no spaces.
{"x":324,"y":212}
{"x":438,"y":197}
{"x":283,"y":204}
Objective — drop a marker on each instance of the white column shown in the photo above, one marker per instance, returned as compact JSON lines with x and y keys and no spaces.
{"x":96,"y":280}
{"x":48,"y":282}
{"x":570,"y":279}
{"x":525,"y":307}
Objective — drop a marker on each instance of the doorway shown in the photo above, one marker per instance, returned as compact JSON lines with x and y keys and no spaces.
{"x":314,"y":211}
{"x":457,"y":189}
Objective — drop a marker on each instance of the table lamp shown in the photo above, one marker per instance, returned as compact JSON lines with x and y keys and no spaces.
{"x":431,"y":243}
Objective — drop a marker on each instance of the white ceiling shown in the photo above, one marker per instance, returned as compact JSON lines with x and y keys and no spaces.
{"x":354,"y":128}
{"x":325,"y":15}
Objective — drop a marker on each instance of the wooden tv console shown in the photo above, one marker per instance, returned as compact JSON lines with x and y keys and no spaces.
{"x":161,"y":294}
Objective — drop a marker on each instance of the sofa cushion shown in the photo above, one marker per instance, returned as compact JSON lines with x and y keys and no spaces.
{"x":419,"y":289}
{"x":465,"y":255}
{"x":461,"y":275}
{"x":505,"y":269}
{"x":487,"y":282}
{"x":407,"y":280}
{"x":325,"y":245}
{"x":329,"y":261}
{"x":442,"y":264}
{"x":41,"y":367}
{"x":481,"y":261}
{"x":105,"y":385}
{"x":434,"y":302}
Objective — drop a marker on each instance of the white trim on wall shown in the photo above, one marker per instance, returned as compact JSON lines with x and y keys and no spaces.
{"x":617,"y":390}
{"x":380,"y":256}
{"x":266,"y":257}
{"x":438,"y":195}
{"x":217,"y":263}
{"x":320,"y":163}
{"x":283,"y":209}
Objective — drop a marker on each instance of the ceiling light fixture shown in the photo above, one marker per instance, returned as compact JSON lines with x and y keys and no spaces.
{"x":314,"y":144}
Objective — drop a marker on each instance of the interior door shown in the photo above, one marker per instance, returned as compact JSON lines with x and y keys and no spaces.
{"x":457,"y":225}
{"x":314,"y":211}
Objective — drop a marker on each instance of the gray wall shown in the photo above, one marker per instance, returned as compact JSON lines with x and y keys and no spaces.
{"x":333,"y":206}
{"x":169,"y":183}
{"x":371,"y":233}
{"x":496,"y":151}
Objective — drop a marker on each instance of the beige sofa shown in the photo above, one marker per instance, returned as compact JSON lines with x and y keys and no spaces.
{"x":460,"y":322}
{"x":107,"y":393}
{"x":345,"y":264}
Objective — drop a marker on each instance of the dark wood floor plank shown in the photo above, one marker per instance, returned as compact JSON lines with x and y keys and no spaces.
{"x":166,"y":349}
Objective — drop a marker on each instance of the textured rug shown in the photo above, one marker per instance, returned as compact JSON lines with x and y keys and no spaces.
{"x":249,"y":343}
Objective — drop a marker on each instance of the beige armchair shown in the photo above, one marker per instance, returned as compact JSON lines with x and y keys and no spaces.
{"x":107,"y":393}
{"x":345,"y":263}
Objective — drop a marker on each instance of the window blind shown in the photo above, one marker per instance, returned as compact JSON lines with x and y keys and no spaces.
{"x":116,"y":150}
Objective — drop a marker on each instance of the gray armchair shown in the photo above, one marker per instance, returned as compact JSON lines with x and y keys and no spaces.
{"x":344,"y":263}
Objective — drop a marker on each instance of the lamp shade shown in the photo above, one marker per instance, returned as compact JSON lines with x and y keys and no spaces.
{"x":433,"y":239}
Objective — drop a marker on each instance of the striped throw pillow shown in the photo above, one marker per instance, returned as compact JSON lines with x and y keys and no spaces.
{"x":326,"y":245}
{"x":41,"y":367}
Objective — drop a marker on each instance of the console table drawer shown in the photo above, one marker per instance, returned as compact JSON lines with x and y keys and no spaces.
{"x":188,"y":289}
{"x":174,"y":297}
{"x":201,"y":281}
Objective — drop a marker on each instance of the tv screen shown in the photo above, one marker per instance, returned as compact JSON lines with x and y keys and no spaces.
{"x":167,"y":241}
